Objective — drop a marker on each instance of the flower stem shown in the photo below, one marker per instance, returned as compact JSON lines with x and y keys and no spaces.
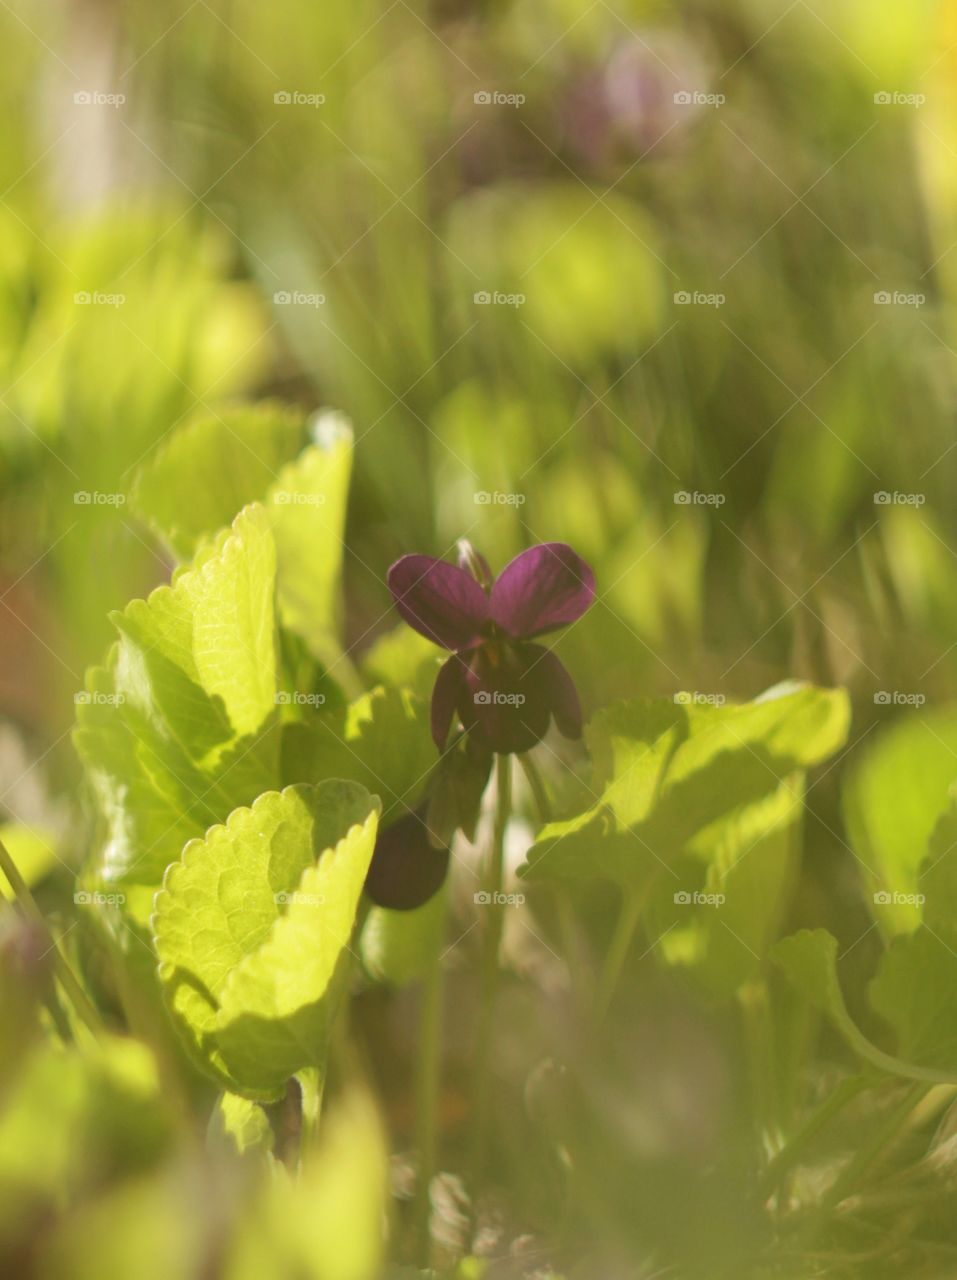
{"x":563,"y":905}
{"x":64,"y":974}
{"x":629,"y":916}
{"x":428,"y":1075}
{"x":537,"y":784}
{"x":490,"y":971}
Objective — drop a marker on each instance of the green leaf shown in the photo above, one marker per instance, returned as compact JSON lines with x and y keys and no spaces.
{"x":809,"y":958}
{"x":672,"y":778}
{"x":252,"y":931}
{"x":329,"y":1222}
{"x":915,"y":992}
{"x":894,"y":794}
{"x":381,"y":740}
{"x":697,"y":819}
{"x":402,"y":657}
{"x":70,"y":1111}
{"x":33,"y":852}
{"x":397,"y":947}
{"x":216,"y":463}
{"x":180,"y":727}
{"x":746,"y":887}
{"x":241,"y":1124}
{"x":308,"y":506}
{"x":211,"y":467}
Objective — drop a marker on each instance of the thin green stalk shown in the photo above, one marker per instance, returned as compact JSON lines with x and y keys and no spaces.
{"x":865,"y":1157}
{"x":64,"y":974}
{"x":629,"y":916}
{"x":753,"y":1003}
{"x":571,"y":943}
{"x":311,"y":1082}
{"x":428,"y":1077}
{"x":490,"y":971}
{"x":794,"y":1149}
{"x":537,"y":784}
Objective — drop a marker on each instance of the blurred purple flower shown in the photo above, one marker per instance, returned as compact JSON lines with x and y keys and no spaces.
{"x":406,"y":868}
{"x":504,"y":688}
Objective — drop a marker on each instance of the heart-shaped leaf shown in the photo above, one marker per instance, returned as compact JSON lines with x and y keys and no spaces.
{"x":252,"y":929}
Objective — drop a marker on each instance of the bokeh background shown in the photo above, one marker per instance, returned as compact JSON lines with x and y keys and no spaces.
{"x":673,"y":282}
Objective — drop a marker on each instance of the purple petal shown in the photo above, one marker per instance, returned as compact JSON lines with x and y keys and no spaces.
{"x":512,"y":699}
{"x":442,"y":602}
{"x":562,"y":694}
{"x":546,"y":587}
{"x":406,"y":870}
{"x":446,"y":693}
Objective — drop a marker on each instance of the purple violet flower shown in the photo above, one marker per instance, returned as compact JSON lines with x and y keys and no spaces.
{"x":504,"y":688}
{"x":406,"y":868}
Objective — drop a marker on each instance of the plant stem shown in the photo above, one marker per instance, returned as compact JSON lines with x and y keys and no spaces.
{"x":68,"y":981}
{"x":791,"y":1152}
{"x":753,"y":1003}
{"x":537,"y":784}
{"x":632,"y":904}
{"x":571,"y":944}
{"x":490,"y":970}
{"x":428,"y":1074}
{"x":311,"y":1082}
{"x":864,"y":1158}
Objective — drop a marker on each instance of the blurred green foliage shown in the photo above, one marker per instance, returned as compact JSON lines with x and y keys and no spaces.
{"x":550,"y":318}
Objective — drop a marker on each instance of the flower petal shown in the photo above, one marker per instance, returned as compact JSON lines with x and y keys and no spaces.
{"x":546,"y":587}
{"x":442,"y":602}
{"x":562,"y":694}
{"x":405,"y":870}
{"x":446,"y":693}
{"x":512,"y":699}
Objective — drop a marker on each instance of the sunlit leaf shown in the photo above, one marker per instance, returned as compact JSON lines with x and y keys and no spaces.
{"x":33,"y":851}
{"x":894,"y":794}
{"x":252,"y":930}
{"x":809,"y":958}
{"x":382,"y":740}
{"x":179,"y":729}
{"x":673,"y":777}
{"x":211,"y":467}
